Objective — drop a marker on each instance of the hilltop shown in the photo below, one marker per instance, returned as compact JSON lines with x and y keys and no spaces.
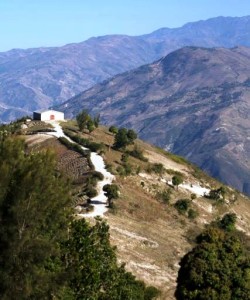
{"x":38,"y":78}
{"x":151,"y":235}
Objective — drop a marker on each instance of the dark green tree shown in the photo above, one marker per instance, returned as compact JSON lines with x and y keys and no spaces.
{"x":85,"y":121}
{"x":111,"y":192}
{"x":82,"y":119}
{"x":124,"y":138}
{"x":92,"y":266}
{"x":132,"y":135}
{"x":33,"y":221}
{"x":217,"y":268}
{"x":113,"y":129}
{"x":228,"y":222}
{"x":177,"y":180}
{"x":90,"y":125}
{"x":182,"y":205}
{"x":121,"y":139}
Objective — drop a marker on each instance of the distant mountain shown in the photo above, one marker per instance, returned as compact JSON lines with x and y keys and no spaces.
{"x":38,"y":78}
{"x":194,"y":102}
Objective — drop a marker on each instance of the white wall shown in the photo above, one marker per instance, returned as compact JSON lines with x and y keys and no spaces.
{"x":48,"y":115}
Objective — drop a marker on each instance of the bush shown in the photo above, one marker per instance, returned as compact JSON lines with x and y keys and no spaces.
{"x":217,"y":194}
{"x":138,"y":153}
{"x":157,"y":168}
{"x":113,"y":129}
{"x":124,"y":170}
{"x":92,"y":146}
{"x":182,"y":205}
{"x":151,"y":292}
{"x":228,"y":222}
{"x":90,"y":191}
{"x":164,"y":196}
{"x":193,"y":196}
{"x":125,"y":157}
{"x":192,"y":214}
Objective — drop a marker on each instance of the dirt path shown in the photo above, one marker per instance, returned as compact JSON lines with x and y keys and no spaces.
{"x":100,"y":201}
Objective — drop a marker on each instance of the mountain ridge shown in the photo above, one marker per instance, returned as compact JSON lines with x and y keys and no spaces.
{"x":38,"y":78}
{"x":194,"y":102}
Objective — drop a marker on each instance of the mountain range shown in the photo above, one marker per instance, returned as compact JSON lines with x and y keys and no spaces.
{"x":38,"y":78}
{"x":194,"y":102}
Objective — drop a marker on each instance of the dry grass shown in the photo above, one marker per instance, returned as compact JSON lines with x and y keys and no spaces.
{"x":151,"y":237}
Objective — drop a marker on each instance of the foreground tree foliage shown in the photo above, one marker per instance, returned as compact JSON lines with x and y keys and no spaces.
{"x":93,"y":270}
{"x":44,"y":254}
{"x":33,"y":221}
{"x":217,"y":268}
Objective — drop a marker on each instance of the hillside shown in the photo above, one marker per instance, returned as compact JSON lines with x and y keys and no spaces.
{"x":38,"y":78}
{"x":193,"y":102}
{"x":150,"y":234}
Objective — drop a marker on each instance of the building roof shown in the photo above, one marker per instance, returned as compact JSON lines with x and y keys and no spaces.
{"x":47,"y":110}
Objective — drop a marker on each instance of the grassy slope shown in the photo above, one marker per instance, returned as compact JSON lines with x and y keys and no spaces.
{"x":151,"y":236}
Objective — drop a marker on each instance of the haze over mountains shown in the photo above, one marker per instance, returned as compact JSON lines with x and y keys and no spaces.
{"x":194,"y":102}
{"x":38,"y":78}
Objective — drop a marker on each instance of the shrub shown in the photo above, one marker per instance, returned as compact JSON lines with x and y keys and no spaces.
{"x":192,"y":214}
{"x":90,"y":191}
{"x":157,"y":168}
{"x":124,"y":170}
{"x":164,"y":196}
{"x":193,"y":196}
{"x":125,"y":157}
{"x":113,"y":129}
{"x":217,"y":194}
{"x":228,"y":222}
{"x":92,"y":146}
{"x":138,"y":153}
{"x":182,"y":205}
{"x":151,"y":292}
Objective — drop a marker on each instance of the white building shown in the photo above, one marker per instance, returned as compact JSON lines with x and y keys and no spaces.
{"x":48,"y":115}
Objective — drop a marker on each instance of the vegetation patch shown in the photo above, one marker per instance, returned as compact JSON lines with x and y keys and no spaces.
{"x":92,"y":146}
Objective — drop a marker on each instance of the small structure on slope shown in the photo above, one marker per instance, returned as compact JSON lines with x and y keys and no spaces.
{"x":48,"y":115}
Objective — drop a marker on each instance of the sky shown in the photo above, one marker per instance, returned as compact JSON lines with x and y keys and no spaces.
{"x":44,"y":23}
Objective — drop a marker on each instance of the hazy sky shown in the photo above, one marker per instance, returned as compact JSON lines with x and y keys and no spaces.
{"x":35,"y":23}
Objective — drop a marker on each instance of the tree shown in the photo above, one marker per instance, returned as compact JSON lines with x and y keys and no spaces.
{"x":177,"y":180}
{"x":111,"y":192}
{"x":217,"y":268}
{"x":92,"y":266}
{"x":228,"y":222}
{"x":124,"y":138}
{"x":132,"y":135}
{"x":85,"y":121}
{"x":34,"y":216}
{"x":82,"y":119}
{"x":113,"y":129}
{"x":90,"y":125}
